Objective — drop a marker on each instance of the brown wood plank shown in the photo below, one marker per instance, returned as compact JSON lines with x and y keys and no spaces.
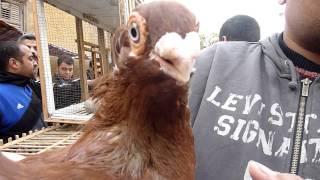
{"x":45,"y":140}
{"x":103,"y":53}
{"x":41,"y":64}
{"x":57,"y":143}
{"x":94,"y":64}
{"x":27,"y":137}
{"x":83,"y":75}
{"x":68,"y":121}
{"x":25,"y":146}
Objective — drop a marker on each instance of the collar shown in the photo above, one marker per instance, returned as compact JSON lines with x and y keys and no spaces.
{"x":297,"y":59}
{"x":10,"y":78}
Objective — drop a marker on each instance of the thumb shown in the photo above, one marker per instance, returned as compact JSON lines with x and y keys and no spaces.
{"x":260,"y":172}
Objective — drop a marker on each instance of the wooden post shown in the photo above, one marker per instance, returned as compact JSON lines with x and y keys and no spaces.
{"x":122,"y":12}
{"x":44,"y":59}
{"x":103,"y":53}
{"x":94,"y":64}
{"x":82,"y":63}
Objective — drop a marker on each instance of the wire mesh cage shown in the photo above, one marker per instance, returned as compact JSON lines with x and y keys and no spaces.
{"x":73,"y":43}
{"x":73,"y":52}
{"x":77,"y":56}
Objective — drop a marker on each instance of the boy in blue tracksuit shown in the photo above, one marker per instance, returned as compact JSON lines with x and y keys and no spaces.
{"x":20,"y":97}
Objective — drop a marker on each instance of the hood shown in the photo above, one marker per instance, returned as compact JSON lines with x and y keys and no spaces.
{"x":10,"y":78}
{"x":271,"y":48}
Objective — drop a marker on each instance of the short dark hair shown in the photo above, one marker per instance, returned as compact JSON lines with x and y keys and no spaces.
{"x":27,"y":36}
{"x":8,"y":49}
{"x":240,"y":28}
{"x":65,"y":59}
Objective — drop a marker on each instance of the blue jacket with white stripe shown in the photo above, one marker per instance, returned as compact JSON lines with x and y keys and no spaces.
{"x":20,"y":105}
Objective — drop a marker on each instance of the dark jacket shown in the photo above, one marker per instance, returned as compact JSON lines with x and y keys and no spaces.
{"x":66,"y":92}
{"x":20,"y":105}
{"x":248,"y":103}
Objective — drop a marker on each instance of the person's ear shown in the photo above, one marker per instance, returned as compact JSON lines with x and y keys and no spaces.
{"x":13,"y":63}
{"x":281,"y":2}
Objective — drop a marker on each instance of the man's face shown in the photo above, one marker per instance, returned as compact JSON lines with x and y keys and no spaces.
{"x":32,"y":44}
{"x":303,"y":23}
{"x":26,"y":63}
{"x":65,"y":71}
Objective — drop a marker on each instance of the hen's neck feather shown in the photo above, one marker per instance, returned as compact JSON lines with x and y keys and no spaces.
{"x":142,"y":124}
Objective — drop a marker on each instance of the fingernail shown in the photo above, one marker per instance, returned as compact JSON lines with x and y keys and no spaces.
{"x":267,"y":171}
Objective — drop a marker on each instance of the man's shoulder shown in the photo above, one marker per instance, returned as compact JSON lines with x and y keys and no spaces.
{"x":224,"y":52}
{"x":268,"y":46}
{"x":6,"y":88}
{"x":8,"y":92}
{"x":11,"y":90}
{"x":233,"y":47}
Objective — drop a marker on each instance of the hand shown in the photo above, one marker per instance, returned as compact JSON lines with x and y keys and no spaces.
{"x":260,"y":172}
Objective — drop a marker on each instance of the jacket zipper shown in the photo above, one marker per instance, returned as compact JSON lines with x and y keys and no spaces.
{"x":299,"y":128}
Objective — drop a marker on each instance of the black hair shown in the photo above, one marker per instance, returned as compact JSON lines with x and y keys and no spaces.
{"x":65,"y":59}
{"x":27,"y":36}
{"x":240,"y":28}
{"x":8,"y":49}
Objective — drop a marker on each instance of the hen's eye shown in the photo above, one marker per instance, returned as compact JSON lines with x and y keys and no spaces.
{"x":134,"y":33}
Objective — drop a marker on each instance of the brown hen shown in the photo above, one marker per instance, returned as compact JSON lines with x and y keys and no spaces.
{"x":141,"y":127}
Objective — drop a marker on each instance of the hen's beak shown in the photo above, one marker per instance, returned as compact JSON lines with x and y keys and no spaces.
{"x":176,"y":56}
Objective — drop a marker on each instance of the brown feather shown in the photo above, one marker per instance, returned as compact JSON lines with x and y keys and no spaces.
{"x":161,"y":19}
{"x":120,"y":46}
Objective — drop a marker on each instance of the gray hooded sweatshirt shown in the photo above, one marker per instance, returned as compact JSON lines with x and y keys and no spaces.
{"x":248,"y":103}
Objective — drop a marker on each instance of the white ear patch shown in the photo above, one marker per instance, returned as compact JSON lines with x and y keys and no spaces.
{"x":180,"y":53}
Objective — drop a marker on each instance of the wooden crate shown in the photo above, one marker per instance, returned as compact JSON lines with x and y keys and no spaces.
{"x":73,"y":114}
{"x":55,"y":137}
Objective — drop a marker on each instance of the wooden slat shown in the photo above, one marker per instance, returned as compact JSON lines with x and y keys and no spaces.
{"x":88,"y":43}
{"x":44,"y":140}
{"x":21,"y":150}
{"x":41,"y":64}
{"x":67,"y":121}
{"x":103,"y":53}
{"x":28,"y":137}
{"x":82,"y":65}
{"x":94,"y":64}
{"x":59,"y":142}
{"x":25,"y":146}
{"x":73,"y":114}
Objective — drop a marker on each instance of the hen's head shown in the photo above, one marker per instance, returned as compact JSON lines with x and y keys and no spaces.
{"x":160,"y":31}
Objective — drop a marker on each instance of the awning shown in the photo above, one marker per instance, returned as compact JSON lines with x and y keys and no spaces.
{"x":9,"y":33}
{"x":101,"y":13}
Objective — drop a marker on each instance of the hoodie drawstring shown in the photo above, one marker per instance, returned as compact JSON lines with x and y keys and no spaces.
{"x":293,"y":83}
